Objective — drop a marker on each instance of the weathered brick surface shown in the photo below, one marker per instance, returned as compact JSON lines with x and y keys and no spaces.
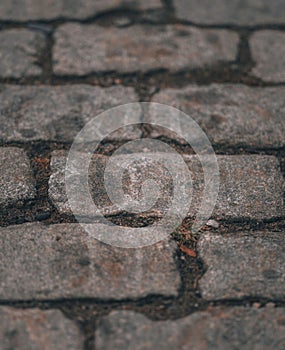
{"x":231,"y":115}
{"x":257,"y":196}
{"x":16,"y":181}
{"x":243,"y":265}
{"x":58,"y":113}
{"x":245,"y":13}
{"x":268,"y":52}
{"x":82,"y":49}
{"x":27,"y":10}
{"x":38,"y":330}
{"x":215,"y":329}
{"x":60,"y":261}
{"x":20,"y":50}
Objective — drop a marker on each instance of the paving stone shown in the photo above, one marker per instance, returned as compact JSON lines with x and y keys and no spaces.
{"x":230,"y":115}
{"x":61,"y":261}
{"x":235,"y":12}
{"x":243,"y":265}
{"x":16,"y":182}
{"x":138,"y":171}
{"x":58,"y":113}
{"x":215,"y":329}
{"x":250,"y":186}
{"x":31,"y":10}
{"x":83,"y":49}
{"x":19,"y":53}
{"x":34,"y":329}
{"x":268,"y":51}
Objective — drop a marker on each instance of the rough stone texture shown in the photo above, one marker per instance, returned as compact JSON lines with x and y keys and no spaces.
{"x":60,"y":261}
{"x":58,"y":113}
{"x":268,"y":52}
{"x":19,"y":53}
{"x":35,"y":329}
{"x":243,"y":265}
{"x":230,"y":115}
{"x":243,"y":13}
{"x":136,"y":173}
{"x":82,"y":49}
{"x":250,"y":186}
{"x":27,"y":10}
{"x":16,"y":181}
{"x":215,"y":329}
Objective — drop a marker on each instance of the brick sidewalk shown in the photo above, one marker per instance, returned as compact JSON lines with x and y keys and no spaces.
{"x":64,"y":62}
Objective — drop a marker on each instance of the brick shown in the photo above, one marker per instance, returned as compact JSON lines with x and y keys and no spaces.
{"x":83,"y":49}
{"x":20,"y":49}
{"x":35,"y":329}
{"x":230,"y":115}
{"x":58,"y":113}
{"x":17,"y":183}
{"x":250,"y":186}
{"x":32,"y":10}
{"x":243,"y":265}
{"x":61,"y":261}
{"x":222,"y":12}
{"x":268,"y":51}
{"x":214,"y":329}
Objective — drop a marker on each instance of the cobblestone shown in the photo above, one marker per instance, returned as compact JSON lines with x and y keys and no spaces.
{"x":62,"y":63}
{"x":57,"y":113}
{"x":243,"y":265}
{"x":38,"y":330}
{"x":20,"y":50}
{"x":215,"y":329}
{"x":231,"y":115}
{"x":84,"y":49}
{"x":32,"y":10}
{"x":223,"y":12}
{"x":16,"y":182}
{"x":40,"y":262}
{"x":256,"y":197}
{"x":268,"y":51}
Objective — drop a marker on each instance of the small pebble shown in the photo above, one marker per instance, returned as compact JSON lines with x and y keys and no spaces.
{"x":270,"y":305}
{"x":213,"y":223}
{"x":122,"y":21}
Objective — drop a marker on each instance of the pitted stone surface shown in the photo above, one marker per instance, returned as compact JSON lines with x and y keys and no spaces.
{"x":231,"y":115}
{"x":83,"y":49}
{"x":58,"y":113}
{"x":16,"y":181}
{"x":37,"y":330}
{"x":31,"y":10}
{"x":214,"y":329}
{"x":234,"y":12}
{"x":19,"y":53}
{"x":243,"y":265}
{"x":257,"y":196}
{"x":136,"y":173}
{"x":268,"y":52}
{"x":40,"y":262}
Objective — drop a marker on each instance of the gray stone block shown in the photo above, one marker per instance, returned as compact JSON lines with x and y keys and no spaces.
{"x":214,"y":329}
{"x":243,"y":265}
{"x":34,"y":329}
{"x":39,"y":262}
{"x":83,"y":49}
{"x":17,"y":183}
